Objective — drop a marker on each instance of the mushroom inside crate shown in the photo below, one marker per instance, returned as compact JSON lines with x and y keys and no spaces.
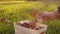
{"x":29,"y":24}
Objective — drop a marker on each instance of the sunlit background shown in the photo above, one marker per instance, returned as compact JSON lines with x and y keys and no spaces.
{"x":16,"y":10}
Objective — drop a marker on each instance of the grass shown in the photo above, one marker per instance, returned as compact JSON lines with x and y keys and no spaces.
{"x":20,"y":11}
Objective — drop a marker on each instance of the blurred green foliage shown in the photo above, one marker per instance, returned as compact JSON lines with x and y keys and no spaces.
{"x":21,"y":11}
